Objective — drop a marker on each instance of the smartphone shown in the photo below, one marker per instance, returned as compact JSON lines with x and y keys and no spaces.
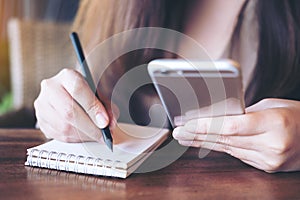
{"x":193,"y":89}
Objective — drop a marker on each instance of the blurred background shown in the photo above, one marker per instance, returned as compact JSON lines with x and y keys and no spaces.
{"x":33,"y":41}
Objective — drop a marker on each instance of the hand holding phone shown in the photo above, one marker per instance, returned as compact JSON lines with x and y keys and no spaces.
{"x":193,"y":89}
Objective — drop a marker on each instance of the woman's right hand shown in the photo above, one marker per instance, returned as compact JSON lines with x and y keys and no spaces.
{"x":68,"y":110}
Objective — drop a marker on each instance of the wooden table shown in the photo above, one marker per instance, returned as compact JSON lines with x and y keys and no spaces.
{"x":217,"y":176}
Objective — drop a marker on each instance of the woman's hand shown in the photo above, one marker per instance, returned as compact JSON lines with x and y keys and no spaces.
{"x":67,"y":109}
{"x":266,"y":137}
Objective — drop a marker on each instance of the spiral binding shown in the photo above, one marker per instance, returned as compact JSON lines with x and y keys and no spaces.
{"x":39,"y":160}
{"x":58,"y":160}
{"x":43,"y":159}
{"x":49,"y":157}
{"x":67,"y":164}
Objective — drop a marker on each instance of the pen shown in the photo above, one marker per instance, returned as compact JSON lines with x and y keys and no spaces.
{"x":88,"y":77}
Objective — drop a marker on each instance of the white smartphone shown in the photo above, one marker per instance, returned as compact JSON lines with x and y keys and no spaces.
{"x":193,"y":89}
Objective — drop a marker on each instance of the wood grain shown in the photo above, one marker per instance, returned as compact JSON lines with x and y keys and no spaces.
{"x":217,"y":176}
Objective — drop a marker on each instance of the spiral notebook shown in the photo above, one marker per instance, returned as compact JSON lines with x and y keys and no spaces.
{"x":132,"y":145}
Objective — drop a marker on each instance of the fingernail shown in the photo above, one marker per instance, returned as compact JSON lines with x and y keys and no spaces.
{"x":101,"y":120}
{"x":178,"y":133}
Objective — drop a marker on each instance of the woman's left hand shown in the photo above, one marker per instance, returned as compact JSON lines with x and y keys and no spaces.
{"x":266,"y":137}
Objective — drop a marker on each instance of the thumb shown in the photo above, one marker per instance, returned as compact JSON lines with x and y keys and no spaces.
{"x":266,"y":104}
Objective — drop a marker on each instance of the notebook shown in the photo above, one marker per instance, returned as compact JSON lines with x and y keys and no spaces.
{"x":132,"y":145}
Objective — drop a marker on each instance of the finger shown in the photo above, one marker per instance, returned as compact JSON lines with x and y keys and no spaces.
{"x":63,"y":130}
{"x":70,"y":112}
{"x":114,"y":114}
{"x":70,"y":134}
{"x":247,"y":124}
{"x":114,"y":111}
{"x":44,"y":110}
{"x":253,"y":158}
{"x":230,"y":106}
{"x":84,"y":96}
{"x":243,"y":142}
{"x":266,"y":104}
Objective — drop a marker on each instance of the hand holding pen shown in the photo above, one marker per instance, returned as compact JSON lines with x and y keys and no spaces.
{"x":68,"y":110}
{"x":88,"y":77}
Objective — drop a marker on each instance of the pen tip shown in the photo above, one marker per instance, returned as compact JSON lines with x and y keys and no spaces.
{"x":107,"y":138}
{"x":110,"y":145}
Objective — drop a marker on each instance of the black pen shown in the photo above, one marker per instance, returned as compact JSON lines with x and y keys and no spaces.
{"x":88,"y":77}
